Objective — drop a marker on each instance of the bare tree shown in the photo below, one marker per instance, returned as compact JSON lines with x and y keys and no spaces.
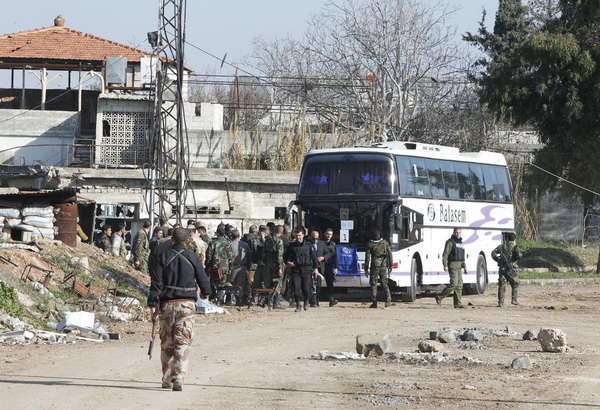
{"x":369,"y":64}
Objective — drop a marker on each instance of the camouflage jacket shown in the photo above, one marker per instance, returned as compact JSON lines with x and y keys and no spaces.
{"x":218,"y":255}
{"x":378,"y":254}
{"x":273,"y":251}
{"x":141,"y":245}
{"x":512,"y":253}
{"x":206,"y":238}
{"x":103,"y":242}
{"x":254,"y":242}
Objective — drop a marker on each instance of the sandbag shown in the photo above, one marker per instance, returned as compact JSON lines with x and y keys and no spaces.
{"x":39,"y":221}
{"x":10,"y":212}
{"x":11,"y":222}
{"x":38,"y":211}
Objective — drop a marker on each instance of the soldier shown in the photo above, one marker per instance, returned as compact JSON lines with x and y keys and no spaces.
{"x":119,"y":246}
{"x":454,"y":260}
{"x":196,"y":244}
{"x":157,"y":235}
{"x":141,"y":248}
{"x":378,"y":263}
{"x":301,"y":258}
{"x":273,"y":260}
{"x":103,"y":241}
{"x":506,"y":254}
{"x":218,"y":260}
{"x":331,"y":266}
{"x":241,"y":262}
{"x":173,"y":291}
{"x":202,"y":233}
{"x":263,"y":233}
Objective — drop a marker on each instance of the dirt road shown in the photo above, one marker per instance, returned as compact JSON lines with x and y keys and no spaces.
{"x":263,"y":359}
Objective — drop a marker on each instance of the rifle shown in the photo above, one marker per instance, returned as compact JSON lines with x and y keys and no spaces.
{"x":506,"y":261}
{"x":154,"y":329}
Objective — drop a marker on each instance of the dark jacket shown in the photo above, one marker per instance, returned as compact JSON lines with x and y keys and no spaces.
{"x":321,"y":250}
{"x":302,"y":255}
{"x":331,"y":260}
{"x":175,"y":275}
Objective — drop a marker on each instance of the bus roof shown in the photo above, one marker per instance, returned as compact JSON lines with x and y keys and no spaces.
{"x":417,"y":149}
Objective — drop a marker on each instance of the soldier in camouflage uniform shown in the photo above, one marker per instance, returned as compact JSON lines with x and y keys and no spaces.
{"x":201,"y":229}
{"x":119,"y":246}
{"x":257,"y":254}
{"x":453,"y":259}
{"x":378,"y":263}
{"x":173,"y":291}
{"x":141,"y":248}
{"x":103,"y":241}
{"x":273,"y":260}
{"x":218,"y":259}
{"x":506,"y":254}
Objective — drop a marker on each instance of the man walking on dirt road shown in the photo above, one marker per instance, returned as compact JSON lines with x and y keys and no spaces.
{"x":454,"y":260}
{"x":173,"y":285}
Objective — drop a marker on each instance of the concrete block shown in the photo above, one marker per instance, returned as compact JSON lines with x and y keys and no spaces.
{"x":373,"y":344}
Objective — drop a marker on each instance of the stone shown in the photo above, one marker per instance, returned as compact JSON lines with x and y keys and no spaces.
{"x":430,"y":346}
{"x":447,"y":336}
{"x":522,"y":363}
{"x":529,"y":335}
{"x":471,"y":336}
{"x":552,"y":340}
{"x":373,"y":344}
{"x":326,"y":355}
{"x":82,"y":263}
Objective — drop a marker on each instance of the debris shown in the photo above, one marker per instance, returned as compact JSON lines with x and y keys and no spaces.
{"x":447,"y":335}
{"x":326,"y":355}
{"x":77,"y":320}
{"x":433,"y":335}
{"x":472,"y":346}
{"x":472,"y":336}
{"x":113,"y":313}
{"x":373,"y":344}
{"x":529,"y":335}
{"x":522,"y":363}
{"x":428,"y":346}
{"x":205,"y":307}
{"x":552,"y":340}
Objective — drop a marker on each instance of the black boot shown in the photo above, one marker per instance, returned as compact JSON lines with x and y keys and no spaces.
{"x":298,"y":307}
{"x":277,"y":302}
{"x":373,"y":305}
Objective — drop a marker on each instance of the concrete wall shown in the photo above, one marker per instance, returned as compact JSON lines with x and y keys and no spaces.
{"x":248,"y":197}
{"x":37,"y":137}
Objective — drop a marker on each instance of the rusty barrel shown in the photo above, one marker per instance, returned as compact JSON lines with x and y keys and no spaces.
{"x":66,"y":220}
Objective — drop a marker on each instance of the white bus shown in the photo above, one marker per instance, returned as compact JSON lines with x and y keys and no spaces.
{"x":415,"y":194}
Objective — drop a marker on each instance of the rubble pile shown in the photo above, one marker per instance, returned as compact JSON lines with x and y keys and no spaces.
{"x":76,"y":326}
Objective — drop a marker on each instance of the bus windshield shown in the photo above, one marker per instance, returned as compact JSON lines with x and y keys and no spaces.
{"x":351,"y":222}
{"x":353,"y":174}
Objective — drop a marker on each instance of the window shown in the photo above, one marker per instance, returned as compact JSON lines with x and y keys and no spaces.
{"x":436,"y":182}
{"x":477,"y":181}
{"x":464,"y":180}
{"x":450,"y":180}
{"x":353,"y":174}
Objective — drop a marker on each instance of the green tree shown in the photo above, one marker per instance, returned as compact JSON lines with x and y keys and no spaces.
{"x":541,"y":68}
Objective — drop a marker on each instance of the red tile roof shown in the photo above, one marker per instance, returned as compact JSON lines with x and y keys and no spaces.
{"x":59,"y":44}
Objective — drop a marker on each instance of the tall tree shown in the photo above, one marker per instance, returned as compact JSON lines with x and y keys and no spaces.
{"x":542,"y":68}
{"x":388,"y":67}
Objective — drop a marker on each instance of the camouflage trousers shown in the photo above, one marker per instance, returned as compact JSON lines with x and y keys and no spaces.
{"x":176,"y":336}
{"x":379,"y":274}
{"x":510,"y":277}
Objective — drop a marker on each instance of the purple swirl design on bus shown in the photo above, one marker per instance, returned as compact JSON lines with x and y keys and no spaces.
{"x":486,"y":211}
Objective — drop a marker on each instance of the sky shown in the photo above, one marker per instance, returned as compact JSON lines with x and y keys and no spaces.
{"x":218,"y":27}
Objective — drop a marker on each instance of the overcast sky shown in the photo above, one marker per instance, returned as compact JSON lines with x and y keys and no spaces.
{"x":218,"y":27}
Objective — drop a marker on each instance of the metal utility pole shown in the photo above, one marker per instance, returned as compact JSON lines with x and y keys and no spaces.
{"x":168,"y":142}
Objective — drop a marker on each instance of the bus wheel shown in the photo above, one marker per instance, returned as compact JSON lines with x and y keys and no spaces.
{"x":481,"y":280}
{"x":410,"y":292}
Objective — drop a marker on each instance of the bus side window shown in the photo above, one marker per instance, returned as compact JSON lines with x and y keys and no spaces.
{"x":464,"y":180}
{"x":450,"y":180}
{"x":420,"y":177}
{"x":477,"y":181}
{"x":436,"y":181}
